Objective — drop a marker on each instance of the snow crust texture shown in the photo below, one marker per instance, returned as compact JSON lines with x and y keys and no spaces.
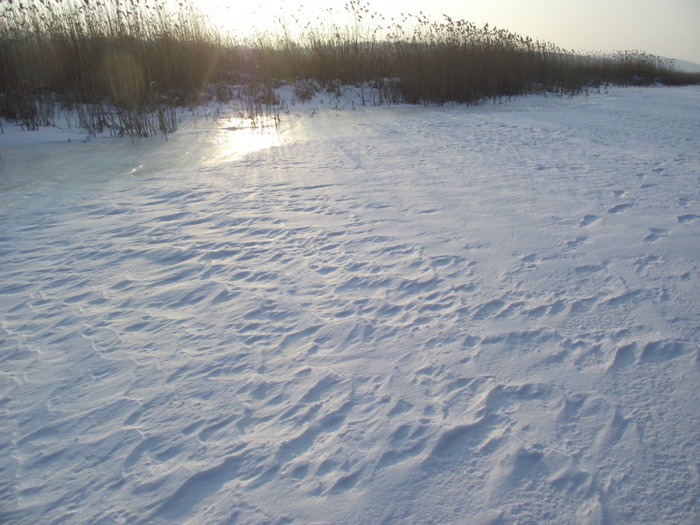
{"x":394,"y":315}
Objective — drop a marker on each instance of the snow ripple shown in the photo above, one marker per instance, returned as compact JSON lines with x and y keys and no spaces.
{"x":448,"y":315}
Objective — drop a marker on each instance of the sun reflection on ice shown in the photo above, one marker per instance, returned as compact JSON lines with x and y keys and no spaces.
{"x":238,"y":137}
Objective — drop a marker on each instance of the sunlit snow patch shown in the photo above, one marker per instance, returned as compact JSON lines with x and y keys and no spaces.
{"x":239,"y":137}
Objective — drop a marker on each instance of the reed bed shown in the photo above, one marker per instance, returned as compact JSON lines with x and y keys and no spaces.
{"x":126,"y":66}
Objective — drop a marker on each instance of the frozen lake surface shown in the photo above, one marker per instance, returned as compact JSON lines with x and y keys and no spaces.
{"x":479,"y":315}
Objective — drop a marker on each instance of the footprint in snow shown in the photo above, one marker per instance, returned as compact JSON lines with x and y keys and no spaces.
{"x":656,"y":234}
{"x":664,"y":350}
{"x":588,"y":220}
{"x":575,"y":243}
{"x":683,"y":219}
{"x":620,"y":207}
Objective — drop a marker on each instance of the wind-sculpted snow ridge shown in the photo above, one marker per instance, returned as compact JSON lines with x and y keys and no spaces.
{"x":480,"y":315}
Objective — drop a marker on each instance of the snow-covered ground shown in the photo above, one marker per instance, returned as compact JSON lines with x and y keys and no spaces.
{"x":391,"y":315}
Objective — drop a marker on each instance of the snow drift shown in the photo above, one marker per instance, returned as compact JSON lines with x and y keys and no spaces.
{"x":484,"y":314}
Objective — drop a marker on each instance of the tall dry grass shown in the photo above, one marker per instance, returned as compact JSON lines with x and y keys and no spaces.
{"x":122,"y":66}
{"x":125,"y":66}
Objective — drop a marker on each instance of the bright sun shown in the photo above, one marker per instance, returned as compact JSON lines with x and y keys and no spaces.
{"x":255,"y":18}
{"x":244,"y":20}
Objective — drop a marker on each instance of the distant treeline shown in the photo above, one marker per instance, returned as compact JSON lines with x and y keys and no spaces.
{"x":124,"y":66}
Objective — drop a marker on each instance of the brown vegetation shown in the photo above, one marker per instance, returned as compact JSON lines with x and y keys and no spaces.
{"x":126,"y":66}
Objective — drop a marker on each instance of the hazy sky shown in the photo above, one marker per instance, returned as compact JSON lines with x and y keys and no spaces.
{"x":661,"y":27}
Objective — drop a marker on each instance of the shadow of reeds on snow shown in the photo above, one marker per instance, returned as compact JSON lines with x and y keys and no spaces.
{"x":124,"y":67}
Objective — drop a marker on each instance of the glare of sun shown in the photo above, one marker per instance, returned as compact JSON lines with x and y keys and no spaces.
{"x":243,"y":20}
{"x":238,"y":137}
